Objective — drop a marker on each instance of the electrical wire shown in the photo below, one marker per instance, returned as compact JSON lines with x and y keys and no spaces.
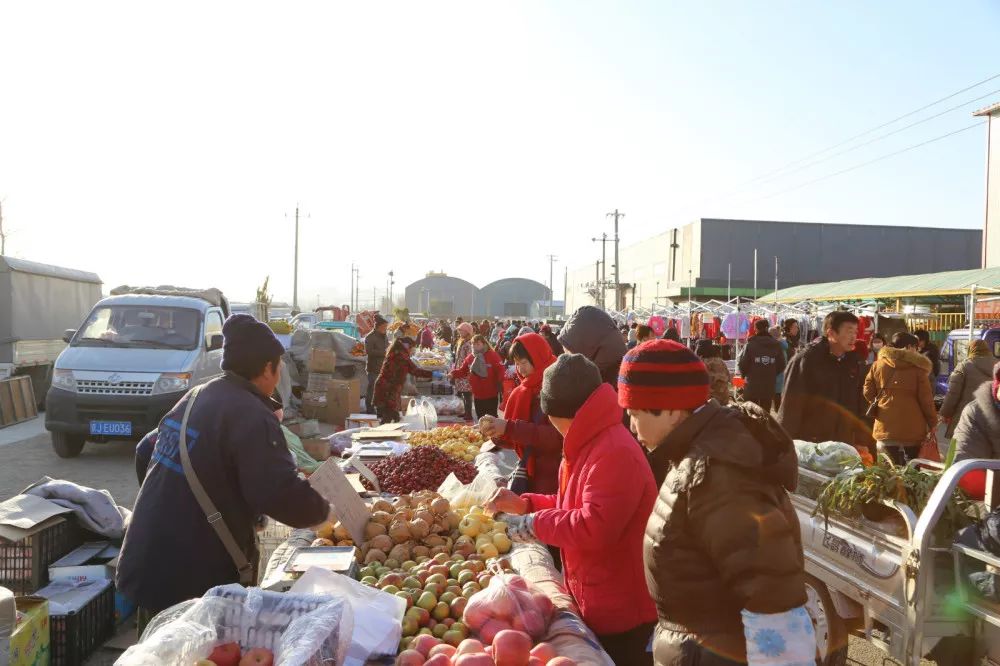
{"x":882,"y":136}
{"x":869,"y":162}
{"x":874,"y":129}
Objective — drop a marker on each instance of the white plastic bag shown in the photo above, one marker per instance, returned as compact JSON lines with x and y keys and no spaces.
{"x":301,"y":630}
{"x":377,"y":615}
{"x":829,"y":458}
{"x":463,"y":496}
{"x":430,"y":414}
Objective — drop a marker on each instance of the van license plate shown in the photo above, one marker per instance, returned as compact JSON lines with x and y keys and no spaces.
{"x":111,"y":428}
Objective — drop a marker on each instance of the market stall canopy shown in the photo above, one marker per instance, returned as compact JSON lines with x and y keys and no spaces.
{"x":928,"y":285}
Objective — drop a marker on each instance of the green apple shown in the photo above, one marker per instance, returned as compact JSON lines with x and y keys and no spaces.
{"x":427,"y":601}
{"x":441,"y":611}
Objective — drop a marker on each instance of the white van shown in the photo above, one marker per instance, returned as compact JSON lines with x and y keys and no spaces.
{"x":134,"y":357}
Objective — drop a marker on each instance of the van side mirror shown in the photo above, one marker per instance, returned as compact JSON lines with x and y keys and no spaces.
{"x":215,"y":342}
{"x":68,"y":335}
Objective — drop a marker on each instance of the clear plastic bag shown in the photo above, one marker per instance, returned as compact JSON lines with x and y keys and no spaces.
{"x":508,"y":602}
{"x":463,"y":496}
{"x":300,"y":630}
{"x":829,"y":458}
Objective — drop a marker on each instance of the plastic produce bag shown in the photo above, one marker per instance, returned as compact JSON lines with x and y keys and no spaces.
{"x":830,"y":458}
{"x":301,"y":630}
{"x":377,"y":614}
{"x":508,"y":602}
{"x":463,"y":496}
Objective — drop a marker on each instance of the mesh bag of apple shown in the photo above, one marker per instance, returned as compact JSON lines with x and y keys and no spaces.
{"x":506,"y":619}
{"x":236,"y":626}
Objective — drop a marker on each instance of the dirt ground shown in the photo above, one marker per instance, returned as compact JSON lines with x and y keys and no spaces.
{"x":111,"y":467}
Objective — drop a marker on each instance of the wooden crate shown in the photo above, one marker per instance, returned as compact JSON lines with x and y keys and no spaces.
{"x":17,"y":401}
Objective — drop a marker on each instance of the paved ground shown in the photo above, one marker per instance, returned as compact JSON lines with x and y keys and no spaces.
{"x":110,"y":467}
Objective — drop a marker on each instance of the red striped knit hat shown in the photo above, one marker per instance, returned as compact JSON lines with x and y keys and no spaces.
{"x":662,"y":374}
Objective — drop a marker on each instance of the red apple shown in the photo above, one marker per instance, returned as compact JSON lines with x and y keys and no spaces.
{"x":477,"y":659}
{"x":544,"y":651}
{"x":438,"y":660}
{"x":475,"y":616}
{"x":423,"y":644}
{"x":226,"y":655}
{"x":490,"y":629}
{"x":410,"y":658}
{"x":258,"y":657}
{"x":469,"y":646}
{"x":512,"y":648}
{"x":447,"y":650}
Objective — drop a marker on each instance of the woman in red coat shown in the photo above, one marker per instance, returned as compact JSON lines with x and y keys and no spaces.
{"x":606,"y":494}
{"x":524,"y":427}
{"x":389,"y":386}
{"x":485,"y":370}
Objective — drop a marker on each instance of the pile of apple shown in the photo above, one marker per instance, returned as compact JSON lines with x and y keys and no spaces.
{"x":462,"y":442}
{"x":509,"y":648}
{"x":229,"y":654}
{"x":415,"y":528}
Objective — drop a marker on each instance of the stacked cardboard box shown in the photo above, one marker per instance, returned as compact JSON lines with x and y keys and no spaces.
{"x":343,"y":398}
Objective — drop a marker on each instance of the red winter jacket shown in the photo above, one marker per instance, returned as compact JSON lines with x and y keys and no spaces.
{"x":483,"y":388}
{"x":607,"y":494}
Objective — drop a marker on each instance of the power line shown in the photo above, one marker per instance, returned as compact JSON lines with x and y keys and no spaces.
{"x":881,"y":136}
{"x":869,"y":162}
{"x":873,"y":129}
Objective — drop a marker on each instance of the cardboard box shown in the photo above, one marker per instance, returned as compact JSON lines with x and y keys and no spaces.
{"x":29,"y":644}
{"x":91,"y":561}
{"x":313,"y":405}
{"x":319,"y":449}
{"x":322,"y":360}
{"x":318,"y":382}
{"x":343,"y":398}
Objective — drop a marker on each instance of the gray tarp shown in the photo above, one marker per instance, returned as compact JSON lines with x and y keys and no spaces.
{"x":39,"y":302}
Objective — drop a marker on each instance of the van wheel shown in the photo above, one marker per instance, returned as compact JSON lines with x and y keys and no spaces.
{"x":67,"y":445}
{"x":831,"y":632}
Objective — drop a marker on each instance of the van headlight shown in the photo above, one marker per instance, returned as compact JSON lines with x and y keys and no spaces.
{"x":64,"y":379}
{"x":172,"y":382}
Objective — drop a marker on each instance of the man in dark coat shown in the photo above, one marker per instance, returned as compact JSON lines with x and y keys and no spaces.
{"x":171,"y":552}
{"x":822,"y":398}
{"x":761,"y":362}
{"x":376,"y":345}
{"x":723,"y":551}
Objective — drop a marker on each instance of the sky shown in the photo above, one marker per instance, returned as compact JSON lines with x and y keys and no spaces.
{"x":170,"y":143}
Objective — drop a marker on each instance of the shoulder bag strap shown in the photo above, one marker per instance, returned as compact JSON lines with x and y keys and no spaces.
{"x":215,"y":519}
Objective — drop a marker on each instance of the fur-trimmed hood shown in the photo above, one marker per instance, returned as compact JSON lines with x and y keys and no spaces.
{"x":899,"y":358}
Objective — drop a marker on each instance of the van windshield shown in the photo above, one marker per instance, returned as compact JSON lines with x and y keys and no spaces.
{"x":142,"y":327}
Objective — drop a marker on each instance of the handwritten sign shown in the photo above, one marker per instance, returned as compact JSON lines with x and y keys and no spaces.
{"x":331,"y":482}
{"x":365,"y":471}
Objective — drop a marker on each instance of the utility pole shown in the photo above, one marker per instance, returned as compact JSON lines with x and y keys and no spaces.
{"x":357,"y":290}
{"x":3,"y":234}
{"x":295,"y":282}
{"x":616,"y":215}
{"x":565,"y":289}
{"x":350,"y":295}
{"x":392,"y":283}
{"x":603,"y":240}
{"x":755,"y":274}
{"x":552,"y":260}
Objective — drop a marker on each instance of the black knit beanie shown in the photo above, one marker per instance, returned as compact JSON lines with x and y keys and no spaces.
{"x":248,"y":343}
{"x":567,"y":384}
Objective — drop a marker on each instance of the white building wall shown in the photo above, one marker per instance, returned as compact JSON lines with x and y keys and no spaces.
{"x":991,"y":240}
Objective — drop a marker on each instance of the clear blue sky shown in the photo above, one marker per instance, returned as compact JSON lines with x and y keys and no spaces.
{"x":167,"y":144}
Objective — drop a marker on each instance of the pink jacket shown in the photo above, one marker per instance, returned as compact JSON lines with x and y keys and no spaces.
{"x":599,"y":517}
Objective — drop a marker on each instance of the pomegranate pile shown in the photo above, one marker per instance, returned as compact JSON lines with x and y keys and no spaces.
{"x":420,"y":468}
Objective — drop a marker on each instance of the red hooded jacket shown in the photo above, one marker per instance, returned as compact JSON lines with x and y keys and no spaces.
{"x":606,"y":495}
{"x":483,"y":388}
{"x":528,"y":429}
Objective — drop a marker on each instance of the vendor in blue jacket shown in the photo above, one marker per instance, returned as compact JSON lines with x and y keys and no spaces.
{"x":171,"y":553}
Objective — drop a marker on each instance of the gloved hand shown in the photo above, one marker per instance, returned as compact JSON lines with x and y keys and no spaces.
{"x":519,"y":528}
